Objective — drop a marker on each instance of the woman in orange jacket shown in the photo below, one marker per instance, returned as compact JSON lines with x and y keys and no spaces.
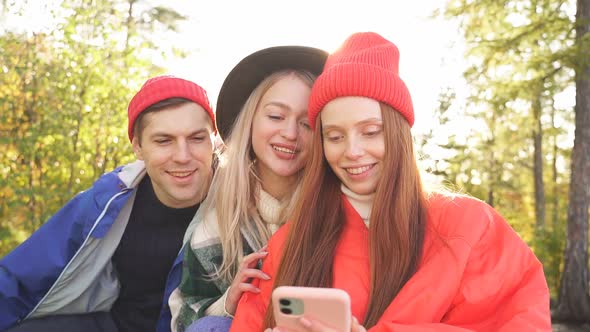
{"x":410,"y":260}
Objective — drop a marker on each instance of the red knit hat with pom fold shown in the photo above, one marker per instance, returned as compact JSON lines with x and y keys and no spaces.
{"x":159,"y":88}
{"x":366,"y":65}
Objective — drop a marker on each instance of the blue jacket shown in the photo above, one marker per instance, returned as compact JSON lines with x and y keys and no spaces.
{"x":65,"y":266}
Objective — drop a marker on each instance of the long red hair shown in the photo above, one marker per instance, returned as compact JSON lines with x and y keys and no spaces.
{"x":396,"y":230}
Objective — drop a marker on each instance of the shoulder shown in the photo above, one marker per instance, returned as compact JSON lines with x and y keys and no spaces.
{"x":131,"y":174}
{"x":460,"y":216}
{"x":122,"y":177}
{"x":110,"y":184}
{"x":206,"y":231}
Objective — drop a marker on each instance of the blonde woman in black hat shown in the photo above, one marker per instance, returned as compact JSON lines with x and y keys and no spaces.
{"x":262,"y":117}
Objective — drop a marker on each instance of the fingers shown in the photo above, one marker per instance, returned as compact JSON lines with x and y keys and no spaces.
{"x":247,"y":274}
{"x":241,"y":284}
{"x":356,"y":327}
{"x":242,"y":281}
{"x":235,"y":293}
{"x":236,"y":290}
{"x":313,"y":325}
{"x":251,"y":260}
{"x":247,"y":269}
{"x":246,"y":287}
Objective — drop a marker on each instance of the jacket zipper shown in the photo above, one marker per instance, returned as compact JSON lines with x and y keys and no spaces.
{"x":78,"y":251}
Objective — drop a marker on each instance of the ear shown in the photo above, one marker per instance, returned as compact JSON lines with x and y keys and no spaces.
{"x":136,"y":148}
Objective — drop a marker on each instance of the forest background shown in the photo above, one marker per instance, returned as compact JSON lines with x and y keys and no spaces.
{"x":506,"y":117}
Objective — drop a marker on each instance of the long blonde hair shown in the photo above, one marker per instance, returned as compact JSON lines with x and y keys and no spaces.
{"x":234,"y":188}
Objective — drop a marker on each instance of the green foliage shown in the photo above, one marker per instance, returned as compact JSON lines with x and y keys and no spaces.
{"x":549,"y":244}
{"x":520,"y":55}
{"x":63,"y":101}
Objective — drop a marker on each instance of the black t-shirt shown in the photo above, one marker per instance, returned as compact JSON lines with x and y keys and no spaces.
{"x":144,"y":257}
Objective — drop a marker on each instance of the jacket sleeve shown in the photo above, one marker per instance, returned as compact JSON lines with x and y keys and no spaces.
{"x":195,"y":293}
{"x":27,"y":273}
{"x":503,"y":288}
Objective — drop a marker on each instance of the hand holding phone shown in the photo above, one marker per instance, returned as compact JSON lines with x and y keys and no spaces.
{"x":330,"y":306}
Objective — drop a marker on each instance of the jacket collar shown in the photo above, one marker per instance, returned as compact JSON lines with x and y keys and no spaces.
{"x":131,"y":174}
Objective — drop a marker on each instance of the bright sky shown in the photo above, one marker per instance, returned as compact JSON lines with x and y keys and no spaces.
{"x":222,"y":32}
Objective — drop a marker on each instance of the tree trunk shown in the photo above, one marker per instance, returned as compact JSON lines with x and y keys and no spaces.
{"x":555,"y":192}
{"x":29,"y":91}
{"x":76,"y":157}
{"x":41,"y":179}
{"x":76,"y":139}
{"x":493,"y":171}
{"x":574,"y":299}
{"x":129,"y":24}
{"x":538,"y":160}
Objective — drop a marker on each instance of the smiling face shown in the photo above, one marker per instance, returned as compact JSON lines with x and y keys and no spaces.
{"x":280,"y":130}
{"x":176,"y":146}
{"x":354,"y":143}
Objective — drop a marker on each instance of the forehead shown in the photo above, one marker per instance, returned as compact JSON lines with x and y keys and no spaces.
{"x":348,"y":111}
{"x":290,"y":91}
{"x":178,"y":120}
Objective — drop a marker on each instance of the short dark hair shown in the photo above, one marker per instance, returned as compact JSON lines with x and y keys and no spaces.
{"x":139,"y":124}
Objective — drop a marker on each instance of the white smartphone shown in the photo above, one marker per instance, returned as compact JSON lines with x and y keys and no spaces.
{"x":331,"y":306}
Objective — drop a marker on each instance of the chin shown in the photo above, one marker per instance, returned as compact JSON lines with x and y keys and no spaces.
{"x":363,"y":190}
{"x":286,"y":172}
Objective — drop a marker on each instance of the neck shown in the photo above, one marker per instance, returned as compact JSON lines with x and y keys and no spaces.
{"x":277,"y":186}
{"x":361,"y":203}
{"x":269,"y":208}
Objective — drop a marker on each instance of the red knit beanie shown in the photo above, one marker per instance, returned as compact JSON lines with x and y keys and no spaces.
{"x":366,"y":65}
{"x":160,"y":88}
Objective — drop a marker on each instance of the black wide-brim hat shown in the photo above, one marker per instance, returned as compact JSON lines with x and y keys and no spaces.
{"x":253,"y":69}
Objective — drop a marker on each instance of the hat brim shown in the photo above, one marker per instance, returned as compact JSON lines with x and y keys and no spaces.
{"x":253,"y":69}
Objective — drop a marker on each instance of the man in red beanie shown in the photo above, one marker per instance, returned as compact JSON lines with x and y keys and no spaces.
{"x":109,"y":259}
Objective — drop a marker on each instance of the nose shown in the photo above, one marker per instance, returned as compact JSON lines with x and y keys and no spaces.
{"x":182,"y":153}
{"x":354,"y":150}
{"x":290,"y":130}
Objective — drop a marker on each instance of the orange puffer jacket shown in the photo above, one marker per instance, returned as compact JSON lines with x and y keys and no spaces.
{"x":476,"y":274}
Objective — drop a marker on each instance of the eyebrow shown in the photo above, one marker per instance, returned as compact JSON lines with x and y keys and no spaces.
{"x":277,"y":104}
{"x":165,"y":134}
{"x":360,"y":123}
{"x":285,"y":107}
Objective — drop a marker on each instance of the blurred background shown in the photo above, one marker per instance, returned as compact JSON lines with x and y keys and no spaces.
{"x":494,"y":84}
